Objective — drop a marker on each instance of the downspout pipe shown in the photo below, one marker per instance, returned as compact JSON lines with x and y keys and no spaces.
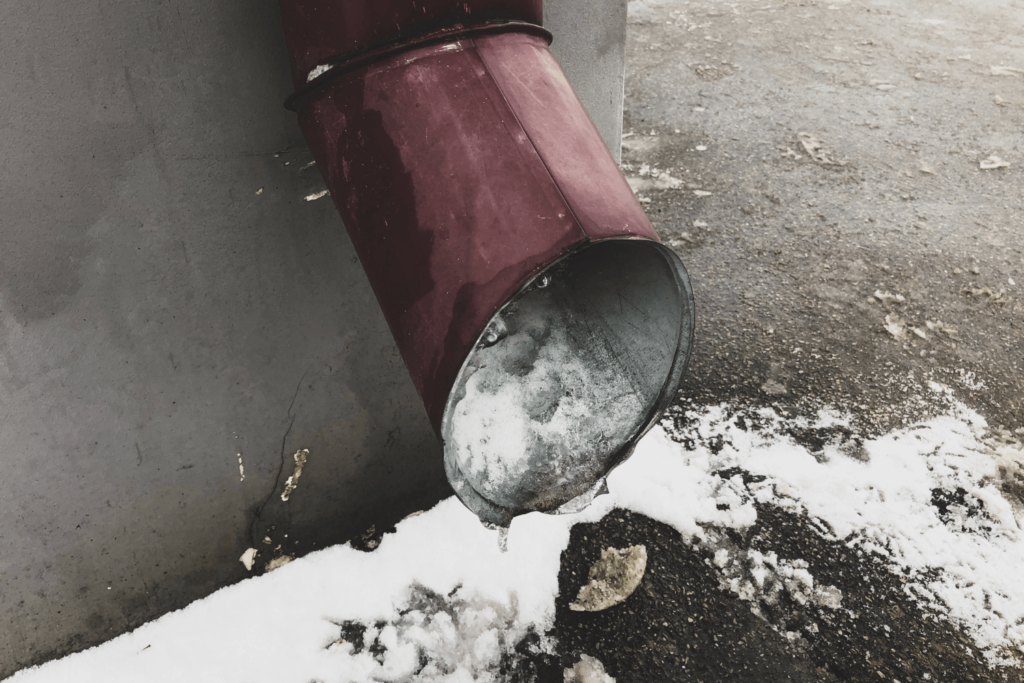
{"x":543,"y":324}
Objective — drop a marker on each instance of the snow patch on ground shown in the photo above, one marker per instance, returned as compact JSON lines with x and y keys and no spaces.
{"x":438,"y":600}
{"x":434,"y":638}
{"x":754,"y":575}
{"x":936,"y":496}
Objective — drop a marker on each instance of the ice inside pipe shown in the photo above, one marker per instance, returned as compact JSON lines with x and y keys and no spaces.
{"x":565,"y":378}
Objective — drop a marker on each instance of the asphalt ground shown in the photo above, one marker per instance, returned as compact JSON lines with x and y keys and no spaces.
{"x":826,"y":154}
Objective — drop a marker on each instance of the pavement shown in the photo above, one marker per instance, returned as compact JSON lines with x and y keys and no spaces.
{"x":818,"y":166}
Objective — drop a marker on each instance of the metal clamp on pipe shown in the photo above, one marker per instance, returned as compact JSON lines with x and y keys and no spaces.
{"x":543,"y":324}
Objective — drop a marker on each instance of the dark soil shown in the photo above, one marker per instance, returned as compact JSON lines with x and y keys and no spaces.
{"x":680,"y":626}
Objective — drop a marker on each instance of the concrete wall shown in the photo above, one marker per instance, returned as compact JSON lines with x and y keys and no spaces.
{"x":590,"y":44}
{"x":169,"y":303}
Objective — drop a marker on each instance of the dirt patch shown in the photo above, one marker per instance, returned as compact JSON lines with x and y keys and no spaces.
{"x":680,"y":624}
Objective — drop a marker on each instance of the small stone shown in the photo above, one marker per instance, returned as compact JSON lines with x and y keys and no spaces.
{"x":587,"y":670}
{"x":895,"y":326}
{"x":773,"y":388}
{"x":993,"y":162}
{"x":888,"y":297}
{"x":613,"y":578}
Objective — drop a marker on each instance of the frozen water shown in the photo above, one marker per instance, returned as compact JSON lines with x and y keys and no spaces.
{"x":587,"y":670}
{"x":542,"y":410}
{"x":318,"y":71}
{"x":613,"y":578}
{"x":542,"y":429}
{"x":435,"y":638}
{"x":883,"y":502}
{"x":565,"y":380}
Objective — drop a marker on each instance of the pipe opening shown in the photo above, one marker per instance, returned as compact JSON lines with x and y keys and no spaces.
{"x":565,"y":378}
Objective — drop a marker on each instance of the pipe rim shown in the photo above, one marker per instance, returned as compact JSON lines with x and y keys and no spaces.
{"x":492,"y":513}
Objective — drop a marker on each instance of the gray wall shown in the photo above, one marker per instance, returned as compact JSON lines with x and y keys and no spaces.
{"x":590,"y":44}
{"x":160,"y":314}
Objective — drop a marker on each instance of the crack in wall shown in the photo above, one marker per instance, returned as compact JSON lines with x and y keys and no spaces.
{"x":257,"y":510}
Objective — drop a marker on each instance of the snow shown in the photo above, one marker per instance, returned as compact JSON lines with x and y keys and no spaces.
{"x":753,"y":576}
{"x":512,"y":425}
{"x":318,"y":71}
{"x":587,"y":670}
{"x":282,"y":626}
{"x":883,"y":499}
{"x":542,"y":408}
{"x":443,"y":600}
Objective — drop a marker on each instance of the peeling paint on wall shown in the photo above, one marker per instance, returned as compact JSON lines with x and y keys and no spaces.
{"x":278,"y":562}
{"x":293,"y":481}
{"x":247,"y":558}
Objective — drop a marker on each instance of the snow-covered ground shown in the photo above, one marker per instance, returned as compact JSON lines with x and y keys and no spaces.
{"x":438,"y":600}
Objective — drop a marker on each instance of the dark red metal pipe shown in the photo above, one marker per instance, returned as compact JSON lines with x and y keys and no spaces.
{"x":459,"y":158}
{"x":325,"y":32}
